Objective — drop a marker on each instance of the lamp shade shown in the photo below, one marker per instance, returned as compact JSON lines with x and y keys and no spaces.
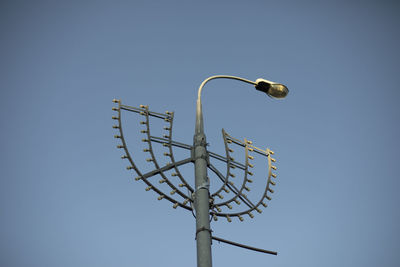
{"x":272,"y":89}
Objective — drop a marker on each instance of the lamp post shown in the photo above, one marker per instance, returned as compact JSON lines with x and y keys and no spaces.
{"x":201,"y":201}
{"x":198,"y":197}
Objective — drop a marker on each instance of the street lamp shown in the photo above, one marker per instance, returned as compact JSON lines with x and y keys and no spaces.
{"x":272,"y":89}
{"x":201,"y":201}
{"x":198,"y":197}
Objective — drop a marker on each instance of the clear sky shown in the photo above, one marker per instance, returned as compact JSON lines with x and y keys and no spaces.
{"x":66,"y":198}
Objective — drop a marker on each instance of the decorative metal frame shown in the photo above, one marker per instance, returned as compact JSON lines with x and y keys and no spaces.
{"x":185,"y":200}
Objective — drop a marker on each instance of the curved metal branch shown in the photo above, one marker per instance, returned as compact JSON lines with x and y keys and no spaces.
{"x":171,"y":154}
{"x":169,"y":119}
{"x":228,"y":168}
{"x":238,"y":193}
{"x":231,"y":186}
{"x":134,"y":167}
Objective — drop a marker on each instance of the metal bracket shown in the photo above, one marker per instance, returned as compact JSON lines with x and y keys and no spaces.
{"x":202,"y":229}
{"x":205,"y":185}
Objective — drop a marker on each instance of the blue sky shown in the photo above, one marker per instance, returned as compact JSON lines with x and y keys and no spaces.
{"x":66,"y":197}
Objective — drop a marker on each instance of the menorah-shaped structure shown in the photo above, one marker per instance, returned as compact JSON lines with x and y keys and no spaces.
{"x":197,"y":198}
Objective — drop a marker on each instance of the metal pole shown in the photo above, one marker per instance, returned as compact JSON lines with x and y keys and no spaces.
{"x":201,"y":202}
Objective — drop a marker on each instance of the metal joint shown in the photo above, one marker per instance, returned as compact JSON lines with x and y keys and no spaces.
{"x":205,"y":185}
{"x":200,"y":140}
{"x":202,"y":229}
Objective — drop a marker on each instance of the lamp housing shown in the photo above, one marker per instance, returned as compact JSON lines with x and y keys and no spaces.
{"x":272,"y":89}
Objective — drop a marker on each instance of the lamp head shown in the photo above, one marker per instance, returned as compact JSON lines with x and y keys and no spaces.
{"x":272,"y":89}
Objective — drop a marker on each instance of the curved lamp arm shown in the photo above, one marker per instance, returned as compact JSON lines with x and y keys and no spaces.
{"x":220,"y":77}
{"x":199,"y":114}
{"x":272,"y":89}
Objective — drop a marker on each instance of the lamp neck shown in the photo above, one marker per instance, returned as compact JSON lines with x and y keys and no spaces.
{"x":199,"y":129}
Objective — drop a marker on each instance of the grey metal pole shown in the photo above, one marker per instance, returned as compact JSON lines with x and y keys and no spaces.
{"x":201,"y":202}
